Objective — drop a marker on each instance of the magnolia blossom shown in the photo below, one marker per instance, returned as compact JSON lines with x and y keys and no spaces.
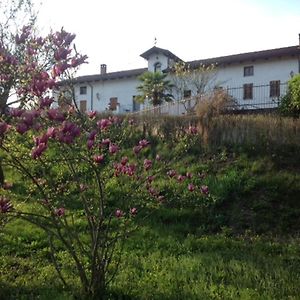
{"x":189,"y":175}
{"x":60,"y":212}
{"x":90,"y":144}
{"x":105,"y":142}
{"x":147,"y":164}
{"x":51,"y":132}
{"x":98,"y":158}
{"x":5,"y":205}
{"x":133,"y":211}
{"x":103,"y":124}
{"x":181,"y":178}
{"x":113,"y":148}
{"x":193,"y":130}
{"x":124,"y":160}
{"x":92,"y":114}
{"x":119,"y":213}
{"x":144,"y":143}
{"x":171,"y":173}
{"x":191,"y":187}
{"x":38,"y":150}
{"x":204,"y":190}
{"x":137,"y":149}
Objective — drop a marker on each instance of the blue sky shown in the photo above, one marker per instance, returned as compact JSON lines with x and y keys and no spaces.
{"x":116,"y":32}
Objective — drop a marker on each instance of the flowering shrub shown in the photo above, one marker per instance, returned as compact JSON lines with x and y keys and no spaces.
{"x":76,"y":168}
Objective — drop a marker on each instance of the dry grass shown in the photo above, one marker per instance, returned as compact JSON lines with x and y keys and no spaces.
{"x":214,"y":104}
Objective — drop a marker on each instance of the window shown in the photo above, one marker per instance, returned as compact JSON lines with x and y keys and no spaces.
{"x":113,"y":103}
{"x":248,"y":91}
{"x":157,"y":67}
{"x":274,"y":88}
{"x":135,"y":104}
{"x":82,"y":106}
{"x":248,"y":71}
{"x":82,"y":90}
{"x":187,"y":93}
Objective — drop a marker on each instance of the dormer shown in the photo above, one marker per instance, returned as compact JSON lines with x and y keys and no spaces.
{"x":159,"y":59}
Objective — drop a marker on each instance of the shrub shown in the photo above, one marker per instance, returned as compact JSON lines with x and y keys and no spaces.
{"x":290,"y":103}
{"x":215,"y":104}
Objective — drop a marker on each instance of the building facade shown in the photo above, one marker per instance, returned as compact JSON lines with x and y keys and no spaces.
{"x":254,"y":79}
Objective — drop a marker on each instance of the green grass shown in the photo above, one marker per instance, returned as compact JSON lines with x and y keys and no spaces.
{"x":246,"y":245}
{"x":162,"y":261}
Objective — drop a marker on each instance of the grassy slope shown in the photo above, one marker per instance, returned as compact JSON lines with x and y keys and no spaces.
{"x":185,"y":254}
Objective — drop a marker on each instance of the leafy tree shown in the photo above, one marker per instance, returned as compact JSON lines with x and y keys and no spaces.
{"x":290,"y":103}
{"x":155,"y":88}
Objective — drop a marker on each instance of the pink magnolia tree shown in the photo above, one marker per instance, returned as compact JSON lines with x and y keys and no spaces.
{"x":84,"y":178}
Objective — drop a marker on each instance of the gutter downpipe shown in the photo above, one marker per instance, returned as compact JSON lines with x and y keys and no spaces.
{"x":92,"y":96}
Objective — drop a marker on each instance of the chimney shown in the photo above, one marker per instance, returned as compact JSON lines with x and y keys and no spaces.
{"x":103,"y":69}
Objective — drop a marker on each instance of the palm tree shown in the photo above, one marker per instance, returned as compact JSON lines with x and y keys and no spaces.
{"x":154,"y":88}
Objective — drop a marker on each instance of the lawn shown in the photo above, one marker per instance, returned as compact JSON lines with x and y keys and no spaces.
{"x":245,"y":246}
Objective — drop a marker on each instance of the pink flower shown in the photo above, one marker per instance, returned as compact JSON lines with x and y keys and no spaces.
{"x":204,"y":190}
{"x":147,"y":164}
{"x":124,"y":160}
{"x":181,"y":178}
{"x":92,"y":114}
{"x":92,"y":135}
{"x":41,"y":139}
{"x":46,"y":102}
{"x":21,"y":128}
{"x":113,"y":148}
{"x":105,"y":142}
{"x":171,"y":173}
{"x":98,"y":159}
{"x":55,"y":115}
{"x":51,"y":132}
{"x":133,"y":211}
{"x":60,"y":212}
{"x":158,"y":158}
{"x":103,"y":124}
{"x":37,"y":151}
{"x":144,"y":143}
{"x":193,"y":130}
{"x":90,"y":144}
{"x":16,"y":112}
{"x":137,"y":149}
{"x":5,"y":205}
{"x":191,"y":187}
{"x":119,"y":213}
{"x":189,"y":175}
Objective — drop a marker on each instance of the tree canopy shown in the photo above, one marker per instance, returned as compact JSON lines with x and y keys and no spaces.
{"x":155,"y":88}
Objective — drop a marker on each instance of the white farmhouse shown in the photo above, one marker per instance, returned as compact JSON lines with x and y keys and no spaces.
{"x":254,"y":79}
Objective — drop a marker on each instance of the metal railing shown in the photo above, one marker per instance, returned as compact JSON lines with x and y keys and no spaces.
{"x":261,"y":97}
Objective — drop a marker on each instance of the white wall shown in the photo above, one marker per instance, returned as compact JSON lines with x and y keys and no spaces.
{"x":231,"y":76}
{"x":155,"y":58}
{"x":264,"y":72}
{"x":123,"y":89}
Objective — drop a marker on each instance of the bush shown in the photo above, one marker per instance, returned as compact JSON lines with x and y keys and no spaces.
{"x":290,"y":103}
{"x":215,"y":104}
